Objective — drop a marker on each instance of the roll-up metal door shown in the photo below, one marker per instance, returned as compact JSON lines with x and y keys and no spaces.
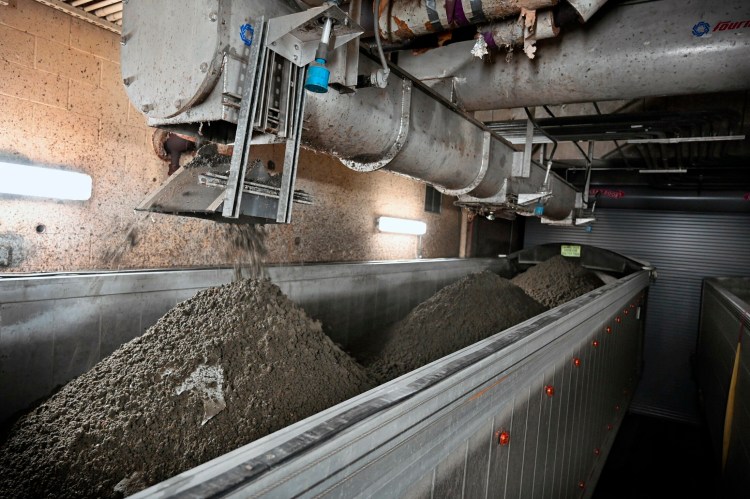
{"x":685,"y":248}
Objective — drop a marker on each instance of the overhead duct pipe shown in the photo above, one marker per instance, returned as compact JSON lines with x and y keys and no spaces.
{"x":632,"y":51}
{"x":406,"y":129}
{"x":644,"y":198}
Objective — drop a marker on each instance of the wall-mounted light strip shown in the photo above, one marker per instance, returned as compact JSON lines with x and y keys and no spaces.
{"x":402,"y":226}
{"x":36,"y":181}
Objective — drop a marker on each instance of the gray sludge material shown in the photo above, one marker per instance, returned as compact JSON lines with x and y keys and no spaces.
{"x":457,"y":316}
{"x":556,"y":281}
{"x":224,"y":368}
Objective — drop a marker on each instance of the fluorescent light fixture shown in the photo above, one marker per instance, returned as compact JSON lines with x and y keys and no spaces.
{"x":664,"y":170}
{"x":36,"y":181}
{"x":401,"y":226}
{"x":680,"y":140}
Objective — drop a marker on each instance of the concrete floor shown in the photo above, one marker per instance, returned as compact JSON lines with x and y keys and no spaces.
{"x":659,"y":458}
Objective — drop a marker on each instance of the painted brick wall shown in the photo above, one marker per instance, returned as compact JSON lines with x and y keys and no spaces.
{"x":62,"y":103}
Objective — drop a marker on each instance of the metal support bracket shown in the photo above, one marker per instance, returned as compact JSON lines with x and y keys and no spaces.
{"x":534,"y":197}
{"x":589,"y":163}
{"x":290,"y":129}
{"x":398,"y":144}
{"x":296,"y":36}
{"x":522,"y":163}
{"x":352,"y":50}
{"x":291,"y":153}
{"x":243,"y":138}
{"x":486,"y":143}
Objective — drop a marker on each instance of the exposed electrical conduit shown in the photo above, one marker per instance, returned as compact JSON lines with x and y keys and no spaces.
{"x":379,"y":42}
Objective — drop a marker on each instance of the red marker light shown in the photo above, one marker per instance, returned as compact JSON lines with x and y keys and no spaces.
{"x":503,"y":437}
{"x":618,"y":319}
{"x":626,"y":311}
{"x":597,"y":451}
{"x":632,"y":305}
{"x":609,"y":427}
{"x":577,"y":362}
{"x":549,"y":390}
{"x":581,"y":484}
{"x":595,"y":343}
{"x":609,"y":330}
{"x":617,"y":407}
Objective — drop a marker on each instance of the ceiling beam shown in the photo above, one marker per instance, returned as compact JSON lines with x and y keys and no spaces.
{"x":82,"y":15}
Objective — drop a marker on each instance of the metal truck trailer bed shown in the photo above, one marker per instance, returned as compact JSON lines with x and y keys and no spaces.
{"x":56,"y":327}
{"x":724,"y":376}
{"x":529,"y":412}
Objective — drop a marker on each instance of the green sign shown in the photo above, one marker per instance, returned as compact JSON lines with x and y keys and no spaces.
{"x":570,"y":251}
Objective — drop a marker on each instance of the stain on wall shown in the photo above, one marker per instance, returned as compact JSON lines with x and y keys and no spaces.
{"x":62,"y":104}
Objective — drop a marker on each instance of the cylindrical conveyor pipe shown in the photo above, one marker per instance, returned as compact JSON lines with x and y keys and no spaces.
{"x":669,"y":47}
{"x":405,"y":129}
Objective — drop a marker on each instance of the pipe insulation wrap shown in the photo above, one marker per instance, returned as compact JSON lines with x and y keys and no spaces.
{"x":511,"y":32}
{"x":403,"y":20}
{"x":631,"y":51}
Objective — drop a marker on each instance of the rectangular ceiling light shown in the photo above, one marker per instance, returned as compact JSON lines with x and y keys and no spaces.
{"x":664,"y":170}
{"x":36,"y":181}
{"x":680,"y":140}
{"x":401,"y":226}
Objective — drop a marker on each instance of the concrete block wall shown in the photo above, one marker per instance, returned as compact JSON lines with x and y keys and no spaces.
{"x":62,"y":104}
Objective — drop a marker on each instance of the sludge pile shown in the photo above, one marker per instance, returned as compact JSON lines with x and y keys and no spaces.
{"x":457,"y":316}
{"x":224,"y":368}
{"x":556,"y":281}
{"x":229,"y":366}
{"x":472,"y":309}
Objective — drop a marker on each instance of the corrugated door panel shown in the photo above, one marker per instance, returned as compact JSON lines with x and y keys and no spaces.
{"x":685,"y":248}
